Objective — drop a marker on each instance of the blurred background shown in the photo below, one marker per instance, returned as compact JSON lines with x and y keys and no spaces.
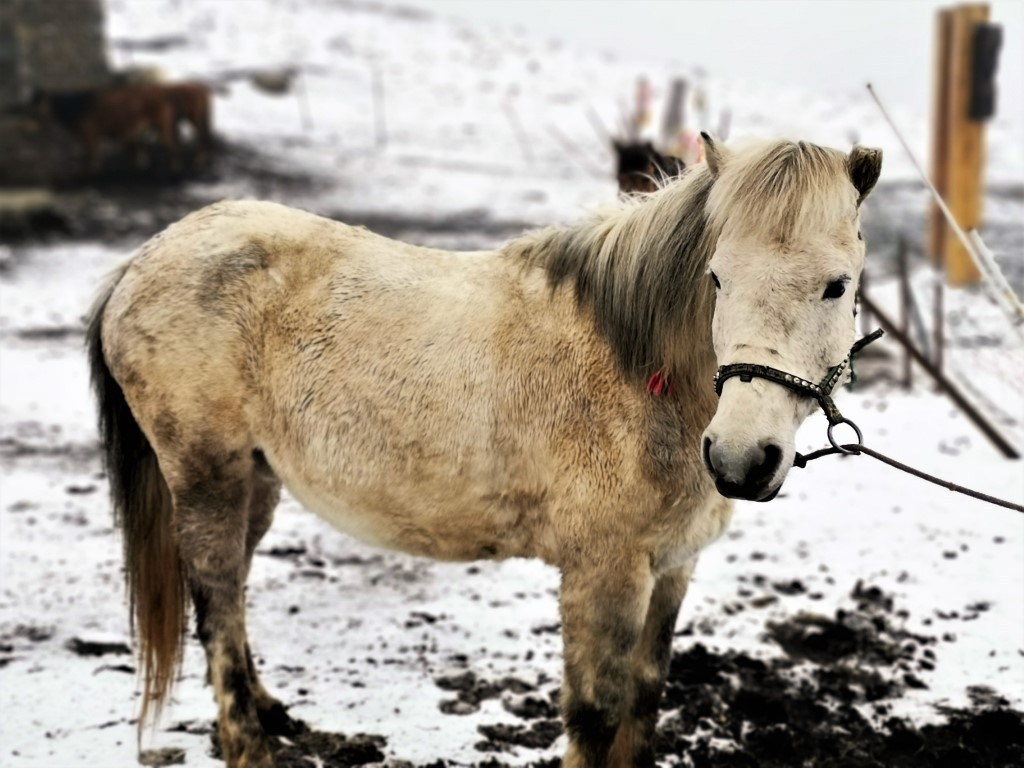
{"x":461,"y":124}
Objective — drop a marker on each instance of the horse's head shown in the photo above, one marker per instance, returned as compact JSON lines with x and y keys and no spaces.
{"x":786,"y":267}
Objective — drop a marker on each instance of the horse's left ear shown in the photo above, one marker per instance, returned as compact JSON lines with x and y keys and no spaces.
{"x":865,"y":165}
{"x":714,"y":154}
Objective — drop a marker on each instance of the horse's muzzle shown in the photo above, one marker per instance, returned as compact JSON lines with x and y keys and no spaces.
{"x":744,"y":475}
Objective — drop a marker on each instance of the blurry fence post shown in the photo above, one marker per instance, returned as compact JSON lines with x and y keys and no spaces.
{"x":937,"y":227}
{"x":603,"y":137}
{"x":865,"y":309}
{"x":305,"y":114}
{"x":939,"y":321}
{"x":518,"y":130}
{"x":380,"y":128}
{"x":906,"y":301}
{"x":958,"y":137}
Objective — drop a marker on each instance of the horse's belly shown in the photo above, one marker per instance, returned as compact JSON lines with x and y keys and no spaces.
{"x":346,"y":517}
{"x":449,"y":523}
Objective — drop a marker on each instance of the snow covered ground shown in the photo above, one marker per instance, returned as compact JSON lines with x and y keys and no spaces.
{"x":357,"y":639}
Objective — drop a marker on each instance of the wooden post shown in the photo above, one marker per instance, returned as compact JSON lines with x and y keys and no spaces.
{"x":937,"y":227}
{"x":866,"y":323}
{"x":963,"y":145}
{"x":905,"y":305}
{"x":939,"y":322}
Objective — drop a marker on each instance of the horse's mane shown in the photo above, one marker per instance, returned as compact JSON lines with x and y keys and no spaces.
{"x":641,"y":265}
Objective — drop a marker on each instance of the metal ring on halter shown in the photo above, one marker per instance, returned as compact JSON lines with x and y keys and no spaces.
{"x":837,"y":446}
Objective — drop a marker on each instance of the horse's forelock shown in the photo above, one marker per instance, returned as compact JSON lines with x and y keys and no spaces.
{"x":781,"y":190}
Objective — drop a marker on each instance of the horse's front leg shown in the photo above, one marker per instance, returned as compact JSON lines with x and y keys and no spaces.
{"x":604,"y":604}
{"x":634,"y":742}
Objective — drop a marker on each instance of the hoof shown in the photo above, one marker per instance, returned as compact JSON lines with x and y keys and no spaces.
{"x":260,"y":757}
{"x":258,"y":752}
{"x":277,"y":722}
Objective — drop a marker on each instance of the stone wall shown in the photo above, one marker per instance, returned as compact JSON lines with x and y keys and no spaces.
{"x":34,"y":154}
{"x":52,"y":45}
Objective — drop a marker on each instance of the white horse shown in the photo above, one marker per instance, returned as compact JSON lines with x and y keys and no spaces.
{"x":473,"y":405}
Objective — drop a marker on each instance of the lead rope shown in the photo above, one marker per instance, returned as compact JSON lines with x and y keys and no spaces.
{"x":822,"y":392}
{"x":855,"y":449}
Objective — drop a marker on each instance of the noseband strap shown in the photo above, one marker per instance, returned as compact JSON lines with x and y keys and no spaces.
{"x":821,"y":392}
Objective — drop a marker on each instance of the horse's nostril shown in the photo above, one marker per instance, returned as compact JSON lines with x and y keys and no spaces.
{"x":765,"y":469}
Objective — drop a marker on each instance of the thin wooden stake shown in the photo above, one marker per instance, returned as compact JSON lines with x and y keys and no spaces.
{"x":595,"y":122}
{"x":866,"y":323}
{"x":573,"y":151}
{"x":301,"y":95}
{"x":905,"y":303}
{"x":939,"y":322}
{"x":380,"y":128}
{"x":518,"y":130}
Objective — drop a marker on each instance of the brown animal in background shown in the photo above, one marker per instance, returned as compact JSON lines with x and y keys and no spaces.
{"x":640,"y":167}
{"x":119,"y":115}
{"x":192,"y":104}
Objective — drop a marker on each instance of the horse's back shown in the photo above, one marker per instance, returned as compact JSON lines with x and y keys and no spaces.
{"x":345,"y":357}
{"x":215,"y":272}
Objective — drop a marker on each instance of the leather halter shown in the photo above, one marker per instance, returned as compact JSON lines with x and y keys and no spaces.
{"x":821,"y":392}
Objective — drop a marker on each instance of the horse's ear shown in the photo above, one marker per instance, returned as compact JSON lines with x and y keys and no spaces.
{"x":865,"y":165}
{"x":714,"y":155}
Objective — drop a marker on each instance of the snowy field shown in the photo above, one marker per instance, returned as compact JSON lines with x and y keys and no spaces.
{"x":458,"y":663}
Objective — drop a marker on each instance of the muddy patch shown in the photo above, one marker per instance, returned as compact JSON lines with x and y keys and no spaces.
{"x":540,"y":734}
{"x":331,"y":750}
{"x":82,"y":647}
{"x":470,"y":690}
{"x":305,"y":748}
{"x":827,"y":700}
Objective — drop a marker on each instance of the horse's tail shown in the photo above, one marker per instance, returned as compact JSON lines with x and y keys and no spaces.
{"x":154,"y":575}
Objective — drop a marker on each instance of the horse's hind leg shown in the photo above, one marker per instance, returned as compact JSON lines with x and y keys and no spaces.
{"x":266,"y":492}
{"x":212,"y":491}
{"x":634,"y":742}
{"x":603,"y":606}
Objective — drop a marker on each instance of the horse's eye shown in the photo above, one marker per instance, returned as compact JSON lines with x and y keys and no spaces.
{"x":835,"y":289}
{"x":714,"y":277}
